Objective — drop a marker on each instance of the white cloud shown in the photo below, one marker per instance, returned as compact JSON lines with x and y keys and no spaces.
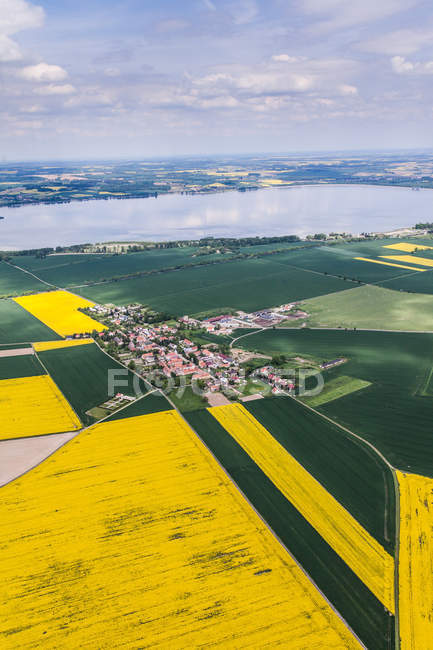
{"x":89,"y":98}
{"x":348,"y":90}
{"x":400,"y":65}
{"x":400,"y":42}
{"x":225,"y":101}
{"x":16,"y":15}
{"x":284,"y":58}
{"x":9,"y":50}
{"x":244,"y":11}
{"x":33,"y":108}
{"x":55,"y":89}
{"x":334,"y":14}
{"x":43,"y":72}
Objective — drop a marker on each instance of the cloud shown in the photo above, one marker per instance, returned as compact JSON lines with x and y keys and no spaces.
{"x":91,"y":97}
{"x":400,"y":65}
{"x":347,"y":90}
{"x":15,"y":16}
{"x":244,"y":11}
{"x":43,"y":72}
{"x":334,"y":14}
{"x":9,"y":50}
{"x":284,"y":58}
{"x":301,"y":75}
{"x":55,"y":89}
{"x":399,"y":42}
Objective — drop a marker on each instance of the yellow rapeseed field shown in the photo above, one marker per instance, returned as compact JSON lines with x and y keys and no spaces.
{"x":59,"y":311}
{"x":31,"y":406}
{"x":416,"y":561}
{"x":400,"y":266}
{"x":407,"y":248}
{"x":361,"y":552}
{"x":42,"y":346}
{"x":132,"y":536}
{"x":422,"y":261}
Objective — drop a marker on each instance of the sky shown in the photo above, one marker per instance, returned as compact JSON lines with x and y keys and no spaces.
{"x":141,"y":78}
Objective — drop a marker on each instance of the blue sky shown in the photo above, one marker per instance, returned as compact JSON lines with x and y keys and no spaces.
{"x":145,"y":78}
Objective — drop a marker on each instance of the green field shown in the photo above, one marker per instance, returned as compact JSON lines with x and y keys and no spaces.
{"x":14,"y":282}
{"x":372,"y":307}
{"x":70,"y":270}
{"x":347,"y":468}
{"x":392,"y":413}
{"x":339,"y":259}
{"x":189,"y":401}
{"x":364,"y":613}
{"x":414,"y":283}
{"x":20,"y":366}
{"x":246,"y":284}
{"x":336,"y":388}
{"x":81,"y":373}
{"x":18,"y":325}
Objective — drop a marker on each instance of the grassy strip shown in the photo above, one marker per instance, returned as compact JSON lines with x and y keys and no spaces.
{"x":364,"y":613}
{"x":336,"y":388}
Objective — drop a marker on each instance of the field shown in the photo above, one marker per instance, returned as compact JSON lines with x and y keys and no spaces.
{"x":336,"y":388}
{"x":70,"y":270}
{"x":42,"y":346}
{"x":14,"y":282}
{"x":26,"y":365}
{"x":347,"y":468}
{"x":195,"y":558}
{"x":413,"y":283}
{"x":59,"y":311}
{"x":415,"y":570}
{"x":363,"y":611}
{"x":31,"y":406}
{"x":340,"y":260}
{"x":82,"y":374}
{"x":189,"y":401}
{"x":391,"y":413}
{"x":247,"y":284}
{"x":372,"y":307}
{"x":17,"y":325}
{"x":361,"y":552}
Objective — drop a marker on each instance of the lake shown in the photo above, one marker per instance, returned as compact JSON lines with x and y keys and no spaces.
{"x":299,"y":210}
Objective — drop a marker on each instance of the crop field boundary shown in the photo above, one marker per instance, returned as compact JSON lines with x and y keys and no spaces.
{"x":76,"y":433}
{"x":269,"y":276}
{"x":55,"y":383}
{"x":30,"y":273}
{"x":324,"y":273}
{"x":397,"y":510}
{"x":273,"y":533}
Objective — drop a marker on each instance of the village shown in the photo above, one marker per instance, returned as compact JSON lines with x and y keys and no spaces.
{"x":187,"y":351}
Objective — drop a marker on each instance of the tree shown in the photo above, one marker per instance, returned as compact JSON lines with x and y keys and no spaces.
{"x":132,"y":365}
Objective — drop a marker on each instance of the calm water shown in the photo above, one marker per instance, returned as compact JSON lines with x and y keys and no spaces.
{"x":299,"y":210}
